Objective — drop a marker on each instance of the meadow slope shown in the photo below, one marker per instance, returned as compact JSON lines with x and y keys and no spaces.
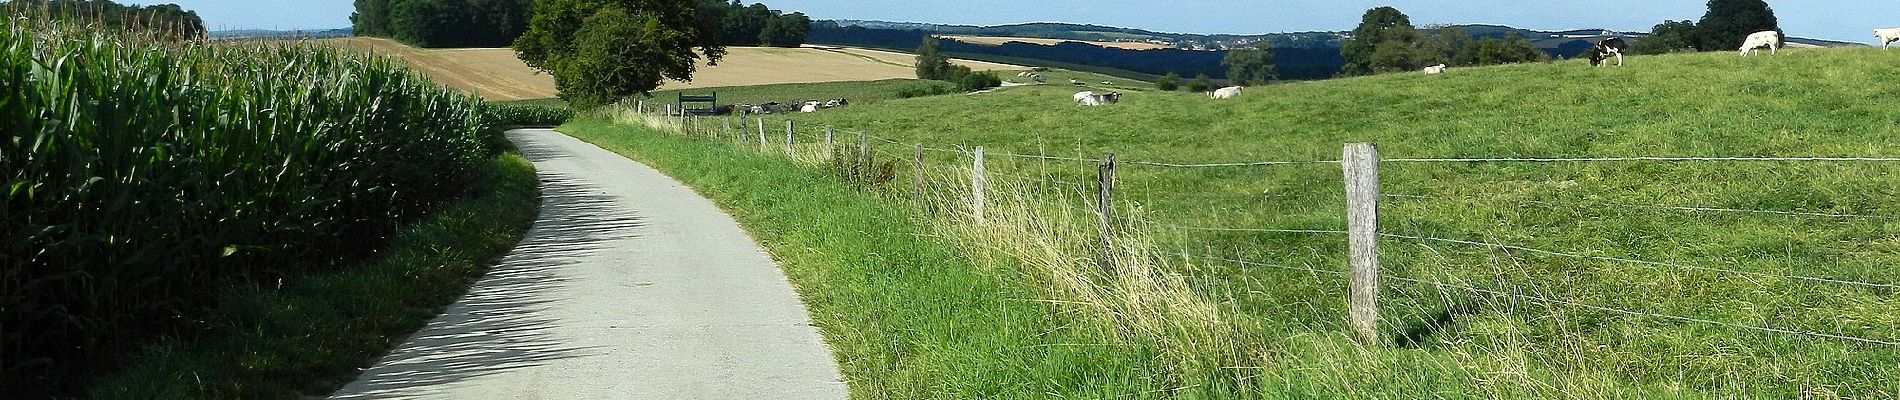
{"x":1689,"y":279}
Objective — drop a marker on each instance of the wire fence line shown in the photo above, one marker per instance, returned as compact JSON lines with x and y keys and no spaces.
{"x":1212,"y":229}
{"x":1548,"y":300}
{"x":1645,"y":158}
{"x":1543,"y":299}
{"x":1647,"y":314}
{"x":1657,"y":207}
{"x":1643,"y":262}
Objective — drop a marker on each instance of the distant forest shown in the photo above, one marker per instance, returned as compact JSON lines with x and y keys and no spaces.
{"x":1299,"y":63}
{"x":444,"y":23}
{"x":496,"y":23}
{"x":168,"y":18}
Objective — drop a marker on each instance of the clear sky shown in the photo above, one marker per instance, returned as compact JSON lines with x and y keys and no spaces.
{"x":1847,"y":20}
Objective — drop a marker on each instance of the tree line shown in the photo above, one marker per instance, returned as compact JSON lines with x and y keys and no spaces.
{"x":169,"y":19}
{"x":498,"y":23}
{"x":1722,"y":28}
{"x":736,"y":24}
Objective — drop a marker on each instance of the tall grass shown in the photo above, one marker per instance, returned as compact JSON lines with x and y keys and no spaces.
{"x":141,"y":174}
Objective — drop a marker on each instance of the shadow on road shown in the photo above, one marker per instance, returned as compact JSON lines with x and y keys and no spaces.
{"x":499,"y":325}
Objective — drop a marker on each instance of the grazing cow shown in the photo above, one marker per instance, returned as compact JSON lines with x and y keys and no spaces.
{"x":1089,"y":98}
{"x":1606,"y":48}
{"x":1887,"y":36}
{"x":1039,"y":78}
{"x":809,"y":107}
{"x":1105,"y":83}
{"x":1226,"y":93}
{"x":1756,"y":41}
{"x":1075,"y":82}
{"x":1435,"y":69}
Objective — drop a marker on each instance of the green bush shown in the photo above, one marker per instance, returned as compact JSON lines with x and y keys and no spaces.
{"x":142,"y":175}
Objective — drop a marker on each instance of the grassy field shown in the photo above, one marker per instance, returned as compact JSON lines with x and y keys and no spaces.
{"x":999,"y":40}
{"x":497,"y":75}
{"x":1465,"y":320}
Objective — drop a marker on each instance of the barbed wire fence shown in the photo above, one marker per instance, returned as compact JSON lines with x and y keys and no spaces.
{"x":1360,"y":165}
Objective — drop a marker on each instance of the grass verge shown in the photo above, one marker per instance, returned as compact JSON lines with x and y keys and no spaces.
{"x":311,"y":335}
{"x":907,"y":314}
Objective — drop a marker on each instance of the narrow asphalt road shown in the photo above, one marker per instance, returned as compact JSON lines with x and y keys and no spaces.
{"x":629,"y":286}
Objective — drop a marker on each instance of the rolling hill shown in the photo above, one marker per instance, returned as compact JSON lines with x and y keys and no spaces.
{"x":497,"y":75}
{"x":1696,"y":276}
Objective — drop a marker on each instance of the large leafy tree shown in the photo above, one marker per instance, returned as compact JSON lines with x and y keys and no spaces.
{"x":787,"y":30}
{"x":931,"y":63}
{"x":1728,"y":22}
{"x":1250,"y":66}
{"x":1385,"y":41}
{"x":1668,"y":37}
{"x":603,"y":51}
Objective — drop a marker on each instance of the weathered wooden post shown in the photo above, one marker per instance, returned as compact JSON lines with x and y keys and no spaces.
{"x":763,"y":144}
{"x":1360,"y":164}
{"x":788,"y":136}
{"x":1105,"y":206}
{"x":917,"y":178}
{"x":977,"y":184}
{"x":829,"y":149}
{"x":863,"y":163}
{"x":640,"y":106}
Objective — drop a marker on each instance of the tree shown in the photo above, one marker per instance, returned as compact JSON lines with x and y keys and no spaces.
{"x":743,"y":24}
{"x":1386,"y":42}
{"x":787,"y":30}
{"x":1668,"y":37}
{"x":1728,"y":22}
{"x":1510,"y":50}
{"x":603,"y":51}
{"x":931,"y":63}
{"x":1200,"y":84}
{"x":1250,"y":66}
{"x":424,"y":23}
{"x":1169,"y":83}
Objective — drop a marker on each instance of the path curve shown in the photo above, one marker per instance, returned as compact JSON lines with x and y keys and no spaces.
{"x":629,"y":286}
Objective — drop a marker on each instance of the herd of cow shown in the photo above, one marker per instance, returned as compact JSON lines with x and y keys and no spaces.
{"x":777,"y":107}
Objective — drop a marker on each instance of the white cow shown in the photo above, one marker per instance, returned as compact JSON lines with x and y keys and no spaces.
{"x":1087,"y":98}
{"x":809,"y":107}
{"x":1887,"y":36}
{"x":1226,"y":93}
{"x":1435,"y":69}
{"x":1758,"y":40}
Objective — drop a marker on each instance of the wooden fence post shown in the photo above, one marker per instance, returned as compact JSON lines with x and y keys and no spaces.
{"x":763,"y":145}
{"x":1360,"y":164}
{"x":917,"y":179}
{"x":863,"y":162}
{"x":977,"y":184}
{"x":829,"y":149}
{"x":640,"y":106}
{"x":1105,"y":206}
{"x":788,"y":136}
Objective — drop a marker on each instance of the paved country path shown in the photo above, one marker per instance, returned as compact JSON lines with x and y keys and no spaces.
{"x":629,"y":286}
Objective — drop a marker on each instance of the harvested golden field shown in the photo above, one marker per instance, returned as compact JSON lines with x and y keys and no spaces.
{"x":1000,"y":40}
{"x":497,"y":75}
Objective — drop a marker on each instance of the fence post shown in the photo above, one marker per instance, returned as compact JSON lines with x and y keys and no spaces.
{"x":1360,"y":164}
{"x":763,"y":145}
{"x":640,"y":106}
{"x":977,"y":183}
{"x":1105,"y":206}
{"x":788,"y":136}
{"x":864,"y":159}
{"x":917,"y":180}
{"x":828,"y":147}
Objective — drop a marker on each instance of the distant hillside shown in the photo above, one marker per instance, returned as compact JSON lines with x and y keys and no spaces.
{"x":1300,"y":55}
{"x":274,"y":34}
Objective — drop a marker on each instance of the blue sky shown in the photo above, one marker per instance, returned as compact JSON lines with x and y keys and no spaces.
{"x":1848,"y":20}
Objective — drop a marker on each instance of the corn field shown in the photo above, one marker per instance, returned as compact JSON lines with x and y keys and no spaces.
{"x":143,"y":174}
